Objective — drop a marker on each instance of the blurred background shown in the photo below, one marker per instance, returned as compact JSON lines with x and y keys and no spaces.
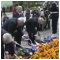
{"x":26,"y":4}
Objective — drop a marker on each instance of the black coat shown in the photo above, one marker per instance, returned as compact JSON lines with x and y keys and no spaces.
{"x":27,"y":14}
{"x":31,"y":25}
{"x":54,"y":8}
{"x":11,"y":27}
{"x":35,"y":13}
{"x":17,"y":15}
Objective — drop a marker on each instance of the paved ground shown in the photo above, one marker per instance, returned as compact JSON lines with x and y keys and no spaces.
{"x":43,"y":34}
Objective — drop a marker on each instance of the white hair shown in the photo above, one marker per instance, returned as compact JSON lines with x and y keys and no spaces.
{"x":7,"y":38}
{"x":19,"y":8}
{"x":22,"y":19}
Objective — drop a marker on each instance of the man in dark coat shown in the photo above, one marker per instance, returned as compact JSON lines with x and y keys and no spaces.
{"x":54,"y":16}
{"x":27,"y":14}
{"x":14,"y":27}
{"x":31,"y":27}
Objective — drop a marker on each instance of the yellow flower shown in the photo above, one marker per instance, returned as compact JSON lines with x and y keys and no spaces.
{"x":48,"y":51}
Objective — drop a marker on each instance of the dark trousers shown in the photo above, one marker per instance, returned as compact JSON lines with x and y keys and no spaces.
{"x":2,"y":52}
{"x":17,"y":37}
{"x":32,"y":37}
{"x":47,"y":23}
{"x":54,"y":25}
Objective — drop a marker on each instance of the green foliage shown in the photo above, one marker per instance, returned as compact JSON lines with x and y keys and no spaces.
{"x":25,"y":4}
{"x":28,"y":4}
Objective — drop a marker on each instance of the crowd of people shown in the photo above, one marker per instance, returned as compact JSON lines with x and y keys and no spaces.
{"x":36,"y":20}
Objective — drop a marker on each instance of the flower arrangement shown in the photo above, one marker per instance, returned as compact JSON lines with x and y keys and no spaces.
{"x":48,"y":51}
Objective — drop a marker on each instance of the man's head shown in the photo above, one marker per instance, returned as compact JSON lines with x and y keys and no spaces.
{"x":19,"y":9}
{"x":7,"y":38}
{"x":20,"y":21}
